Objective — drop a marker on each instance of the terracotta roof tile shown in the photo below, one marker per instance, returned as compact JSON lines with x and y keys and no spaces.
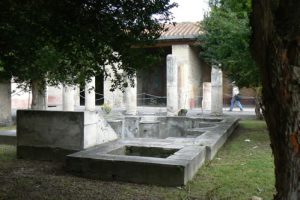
{"x":184,"y":30}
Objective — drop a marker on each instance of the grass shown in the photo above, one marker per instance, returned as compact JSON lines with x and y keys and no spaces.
{"x":243,"y":168}
{"x":6,"y":128}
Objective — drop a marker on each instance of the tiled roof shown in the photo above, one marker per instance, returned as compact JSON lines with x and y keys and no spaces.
{"x":181,"y":31}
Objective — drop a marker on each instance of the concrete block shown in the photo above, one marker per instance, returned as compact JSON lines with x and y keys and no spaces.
{"x":105,"y":132}
{"x":42,"y":135}
{"x":117,"y":125}
{"x":50,"y":128}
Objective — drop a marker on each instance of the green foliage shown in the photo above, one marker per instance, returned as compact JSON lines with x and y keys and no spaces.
{"x":70,"y":41}
{"x":106,"y":108}
{"x":182,"y":112}
{"x":5,"y":128}
{"x":226,"y":40}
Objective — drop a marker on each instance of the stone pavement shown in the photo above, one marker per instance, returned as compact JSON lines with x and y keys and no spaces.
{"x":247,"y":113}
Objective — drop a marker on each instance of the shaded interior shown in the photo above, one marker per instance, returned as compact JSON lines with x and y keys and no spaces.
{"x":156,"y":152}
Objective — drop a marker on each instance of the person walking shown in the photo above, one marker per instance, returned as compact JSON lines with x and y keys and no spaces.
{"x":236,"y":98}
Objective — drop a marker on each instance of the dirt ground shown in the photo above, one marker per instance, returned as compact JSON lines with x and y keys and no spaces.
{"x":22,"y":179}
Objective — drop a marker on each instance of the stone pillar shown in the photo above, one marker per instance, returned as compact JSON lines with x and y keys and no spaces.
{"x":68,"y":98}
{"x":184,"y":89}
{"x":90,"y":102}
{"x":5,"y":103}
{"x":113,"y":98}
{"x":131,"y":99}
{"x":216,"y":91}
{"x":206,"y":101}
{"x":77,"y":96}
{"x":172,"y":86}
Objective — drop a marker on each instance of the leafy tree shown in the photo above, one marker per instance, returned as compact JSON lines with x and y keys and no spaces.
{"x":69,"y":41}
{"x":225,"y":40}
{"x":275,"y":47}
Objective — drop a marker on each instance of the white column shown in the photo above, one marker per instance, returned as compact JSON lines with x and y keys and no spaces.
{"x":90,"y":102}
{"x":216,"y":91}
{"x":206,"y":101}
{"x":5,"y":103}
{"x":77,"y":96}
{"x":184,"y":62}
{"x":172,"y":86}
{"x":131,"y":99}
{"x":184,"y":90}
{"x":68,"y":98}
{"x":113,"y":98}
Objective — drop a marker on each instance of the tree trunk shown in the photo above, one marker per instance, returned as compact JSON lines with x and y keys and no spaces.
{"x":5,"y":103}
{"x":39,"y":96}
{"x":258,"y":103}
{"x":275,"y":47}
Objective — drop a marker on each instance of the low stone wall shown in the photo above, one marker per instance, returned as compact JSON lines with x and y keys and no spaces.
{"x":139,"y":160}
{"x":159,"y":127}
{"x":211,"y":132}
{"x":50,"y":135}
{"x":188,"y":143}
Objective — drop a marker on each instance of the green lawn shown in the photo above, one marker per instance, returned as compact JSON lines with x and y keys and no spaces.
{"x":5,"y":128}
{"x":243,"y":168}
